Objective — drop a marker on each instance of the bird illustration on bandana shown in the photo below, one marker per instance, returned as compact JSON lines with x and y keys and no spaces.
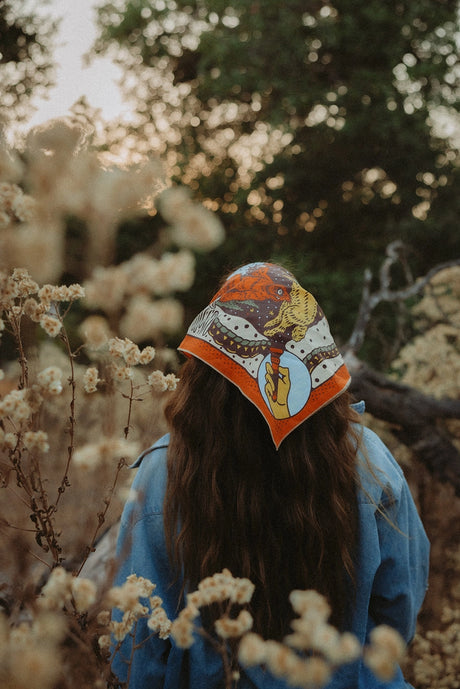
{"x":269,"y":336}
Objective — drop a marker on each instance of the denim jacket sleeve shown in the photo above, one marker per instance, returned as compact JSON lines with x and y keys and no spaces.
{"x":141,"y":550}
{"x":400,"y":574}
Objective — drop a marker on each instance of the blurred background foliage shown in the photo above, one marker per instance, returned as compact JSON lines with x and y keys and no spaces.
{"x":26,"y":58}
{"x":318,"y":131}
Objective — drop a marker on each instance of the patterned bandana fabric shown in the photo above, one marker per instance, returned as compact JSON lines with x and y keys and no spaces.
{"x":269,"y":337}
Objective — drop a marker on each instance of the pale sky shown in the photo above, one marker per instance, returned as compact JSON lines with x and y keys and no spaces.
{"x":97,"y":82}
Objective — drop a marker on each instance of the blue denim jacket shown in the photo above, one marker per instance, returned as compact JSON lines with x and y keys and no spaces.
{"x":392,"y":575}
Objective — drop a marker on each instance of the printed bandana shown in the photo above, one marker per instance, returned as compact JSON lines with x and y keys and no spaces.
{"x":269,"y":337}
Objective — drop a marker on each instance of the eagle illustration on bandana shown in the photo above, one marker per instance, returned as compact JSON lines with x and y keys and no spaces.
{"x":269,"y":336}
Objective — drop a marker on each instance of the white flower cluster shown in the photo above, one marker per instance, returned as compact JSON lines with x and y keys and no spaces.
{"x":129,"y":351}
{"x":145,"y":319}
{"x":104,"y":452}
{"x":129,"y":288}
{"x":192,"y":226}
{"x":219,"y":588}
{"x":127,"y":599}
{"x":126,"y":354}
{"x":18,"y":285}
{"x":173,"y":272}
{"x":91,"y":379}
{"x":63,"y":588}
{"x":327,"y":648}
{"x":16,"y":298}
{"x":15,"y":206}
{"x":430,"y":361}
{"x":50,"y":380}
{"x":18,"y":406}
{"x":29,"y":652}
{"x":36,"y":441}
{"x":8,"y":440}
{"x":161,"y":382}
{"x":385,"y":652}
{"x":15,"y":406}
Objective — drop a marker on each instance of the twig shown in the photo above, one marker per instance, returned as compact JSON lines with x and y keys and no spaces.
{"x":370,"y":300}
{"x":101,"y":515}
{"x":72,"y":422}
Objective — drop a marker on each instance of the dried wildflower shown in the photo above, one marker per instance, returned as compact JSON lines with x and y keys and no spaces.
{"x":34,"y":310}
{"x":51,"y":325}
{"x":50,"y":380}
{"x":8,"y":292}
{"x":157,"y":381}
{"x":24,"y":207}
{"x":36,"y":441}
{"x":26,"y":286}
{"x":251,"y":650}
{"x":125,"y":349}
{"x":347,"y":650}
{"x":242,"y":591}
{"x":7,"y":440}
{"x":181,"y":270}
{"x":310,"y":604}
{"x":71,"y":292}
{"x":15,"y":406}
{"x":106,"y":289}
{"x":198,"y":229}
{"x":160,"y":623}
{"x":174,"y":202}
{"x":386,"y":637}
{"x":104,"y":642}
{"x":386,"y":650}
{"x":325,"y":639}
{"x":34,"y":397}
{"x":103,"y":618}
{"x":121,"y":373}
{"x":146,"y":356}
{"x":126,"y":598}
{"x":95,"y":331}
{"x":34,"y":666}
{"x":280,"y":659}
{"x":104,"y":452}
{"x":57,"y":590}
{"x":227,"y":627}
{"x":182,"y":627}
{"x":161,"y":382}
{"x":145,"y":319}
{"x":91,"y":379}
{"x":144,"y":586}
{"x":83,"y":593}
{"x":46,"y":294}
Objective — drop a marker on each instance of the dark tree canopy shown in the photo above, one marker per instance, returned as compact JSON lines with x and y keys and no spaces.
{"x":26,"y":68}
{"x":311,"y":127}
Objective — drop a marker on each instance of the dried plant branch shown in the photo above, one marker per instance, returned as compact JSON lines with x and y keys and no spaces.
{"x":370,"y":300}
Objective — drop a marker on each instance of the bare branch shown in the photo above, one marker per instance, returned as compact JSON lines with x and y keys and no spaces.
{"x":369,"y":300}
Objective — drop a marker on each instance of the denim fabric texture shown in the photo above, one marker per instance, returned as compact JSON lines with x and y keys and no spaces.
{"x":392,"y":575}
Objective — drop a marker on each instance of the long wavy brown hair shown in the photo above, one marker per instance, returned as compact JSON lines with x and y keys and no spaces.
{"x":286,"y":518}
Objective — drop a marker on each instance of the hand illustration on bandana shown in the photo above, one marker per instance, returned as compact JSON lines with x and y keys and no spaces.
{"x":282,"y":384}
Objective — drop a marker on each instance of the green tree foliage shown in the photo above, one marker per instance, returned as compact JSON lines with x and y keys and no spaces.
{"x":26,"y":69}
{"x":312,"y":127}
